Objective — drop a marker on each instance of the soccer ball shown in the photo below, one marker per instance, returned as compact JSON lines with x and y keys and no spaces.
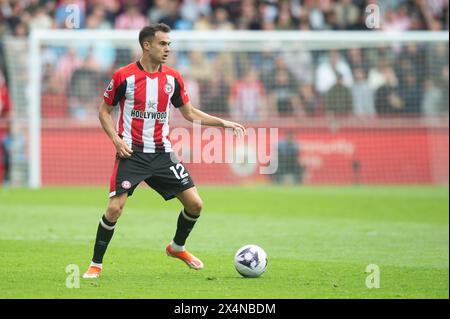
{"x":250,"y":261}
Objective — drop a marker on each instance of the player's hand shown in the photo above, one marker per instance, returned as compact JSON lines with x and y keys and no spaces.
{"x":238,"y":129}
{"x":122,"y":148}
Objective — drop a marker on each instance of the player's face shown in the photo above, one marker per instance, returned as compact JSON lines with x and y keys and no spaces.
{"x":159,"y":48}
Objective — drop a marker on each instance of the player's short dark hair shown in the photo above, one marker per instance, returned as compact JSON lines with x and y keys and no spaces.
{"x":148,"y":32}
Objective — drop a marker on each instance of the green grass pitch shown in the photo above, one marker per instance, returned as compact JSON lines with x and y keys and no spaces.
{"x":319,"y":241}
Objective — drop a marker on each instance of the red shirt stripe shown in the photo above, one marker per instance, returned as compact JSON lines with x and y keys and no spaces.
{"x":120,"y":126}
{"x":137,"y":124}
{"x":112,"y":183}
{"x":163,"y":99}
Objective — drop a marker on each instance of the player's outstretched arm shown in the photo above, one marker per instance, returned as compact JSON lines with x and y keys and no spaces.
{"x":104,"y":115}
{"x":191,"y":114}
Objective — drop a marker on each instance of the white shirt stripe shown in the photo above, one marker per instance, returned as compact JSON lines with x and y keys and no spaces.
{"x":128,"y":106}
{"x":119,"y":115}
{"x":165,"y":129}
{"x":150,"y":106}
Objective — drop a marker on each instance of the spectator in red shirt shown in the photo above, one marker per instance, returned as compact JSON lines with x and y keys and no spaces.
{"x":248,"y":97}
{"x":4,"y":98}
{"x":131,"y":19}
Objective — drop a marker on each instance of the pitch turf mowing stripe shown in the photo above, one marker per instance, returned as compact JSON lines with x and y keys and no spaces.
{"x":394,"y":244}
{"x":428,"y":204}
{"x":327,"y":239}
{"x":37,"y":270}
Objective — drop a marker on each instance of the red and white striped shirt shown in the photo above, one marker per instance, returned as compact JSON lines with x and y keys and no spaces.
{"x":144,"y":101}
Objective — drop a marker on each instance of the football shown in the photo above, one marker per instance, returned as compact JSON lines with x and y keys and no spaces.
{"x":250,"y":261}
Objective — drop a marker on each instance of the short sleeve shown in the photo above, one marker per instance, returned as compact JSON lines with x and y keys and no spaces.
{"x":180,"y":96}
{"x":115,"y":90}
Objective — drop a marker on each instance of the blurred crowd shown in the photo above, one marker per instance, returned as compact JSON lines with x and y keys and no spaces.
{"x":412,"y":79}
{"x":19,"y":16}
{"x":408,"y":80}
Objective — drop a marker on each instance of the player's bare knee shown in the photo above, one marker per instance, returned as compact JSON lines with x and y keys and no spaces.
{"x":195,"y":208}
{"x":113,"y":212}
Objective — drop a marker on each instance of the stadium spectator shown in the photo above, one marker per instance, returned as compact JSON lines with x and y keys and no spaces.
{"x":49,"y":55}
{"x":265,"y":64}
{"x":444,"y":84}
{"x":433,"y":15}
{"x":403,"y":68}
{"x":221,"y":20}
{"x":356,"y":59}
{"x":21,"y":30}
{"x":4,"y":98}
{"x":387,"y":97}
{"x":363,"y":94}
{"x":199,"y":68}
{"x":308,"y":99}
{"x":54,"y":102}
{"x":13,"y":15}
{"x":338,"y":100}
{"x":214,"y":98}
{"x":268,"y":11}
{"x":295,"y":5}
{"x":279,"y":64}
{"x":227,"y":63}
{"x":380,"y":58}
{"x":52,"y":80}
{"x":331,"y":22}
{"x":414,"y":55}
{"x":40,"y":19}
{"x":97,"y":19}
{"x":436,"y":8}
{"x":131,"y":19}
{"x":285,"y":20}
{"x":304,"y":26}
{"x":397,"y":20}
{"x":158,"y":11}
{"x":290,"y":170}
{"x":192,"y":10}
{"x":111,"y":9}
{"x":327,"y":70}
{"x":193,"y":88}
{"x":247,"y":100}
{"x":173,"y":18}
{"x":433,"y":102}
{"x":249,"y":17}
{"x":377,"y":75}
{"x":122,"y":57}
{"x":6,"y":142}
{"x":202,"y":23}
{"x":282,"y":97}
{"x":67,"y":64}
{"x":301,"y":63}
{"x":314,"y":15}
{"x":142,"y":5}
{"x":437,"y":59}
{"x":233,"y":8}
{"x":84,"y":88}
{"x":347,"y":14}
{"x":411,"y":94}
{"x":267,"y":26}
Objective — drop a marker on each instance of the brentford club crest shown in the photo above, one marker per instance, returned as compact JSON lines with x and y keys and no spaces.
{"x":110,"y":86}
{"x":126,"y":184}
{"x":168,"y":88}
